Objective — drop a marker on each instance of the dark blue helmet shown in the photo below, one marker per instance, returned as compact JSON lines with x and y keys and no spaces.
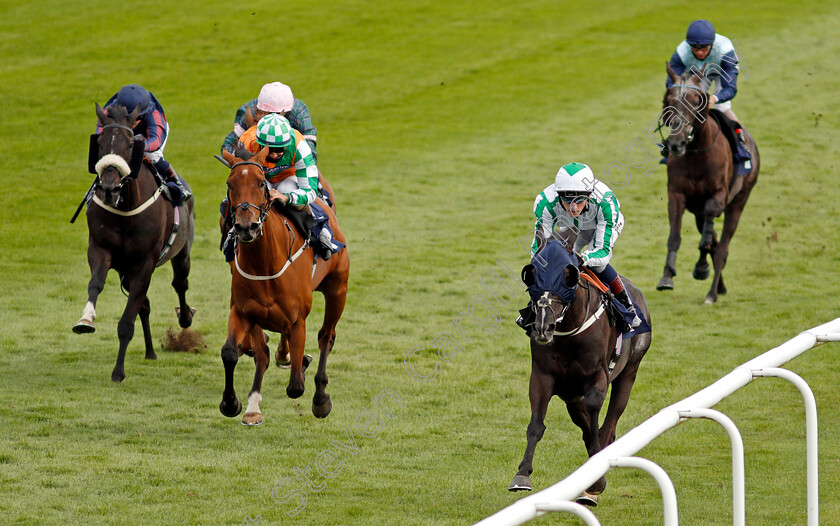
{"x":132,"y":95}
{"x":700,"y":33}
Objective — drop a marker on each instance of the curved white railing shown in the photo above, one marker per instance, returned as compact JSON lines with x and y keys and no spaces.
{"x":620,"y":453}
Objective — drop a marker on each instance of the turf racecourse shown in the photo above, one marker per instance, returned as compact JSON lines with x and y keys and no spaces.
{"x":438,"y":123}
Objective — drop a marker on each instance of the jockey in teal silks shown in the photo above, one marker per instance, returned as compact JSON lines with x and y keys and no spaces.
{"x":705,"y":50}
{"x":586,"y":206}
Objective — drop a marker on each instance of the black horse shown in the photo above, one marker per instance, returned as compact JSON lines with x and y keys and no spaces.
{"x":572,"y":355}
{"x":132,"y":230}
{"x":701,"y":178}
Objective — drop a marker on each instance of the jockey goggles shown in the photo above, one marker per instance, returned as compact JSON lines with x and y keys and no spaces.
{"x":574,"y":197}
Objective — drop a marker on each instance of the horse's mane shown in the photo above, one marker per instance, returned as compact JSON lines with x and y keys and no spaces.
{"x":240,"y":151}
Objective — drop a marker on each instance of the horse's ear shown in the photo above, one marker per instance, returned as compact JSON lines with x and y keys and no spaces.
{"x":260,"y":157}
{"x":529,"y":275}
{"x":100,"y":113}
{"x":673,"y":76}
{"x":571,"y":276}
{"x":250,"y":120}
{"x":135,"y":113}
{"x":228,"y":158}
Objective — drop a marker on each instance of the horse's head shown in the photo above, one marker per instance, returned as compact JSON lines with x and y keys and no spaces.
{"x":247,"y":193}
{"x":685,"y":108}
{"x":551,"y":278}
{"x":119,"y":153}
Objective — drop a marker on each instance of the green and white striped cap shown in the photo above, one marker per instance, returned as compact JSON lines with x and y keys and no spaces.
{"x":274,"y":131}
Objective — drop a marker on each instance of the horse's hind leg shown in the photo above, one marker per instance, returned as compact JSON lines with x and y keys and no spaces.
{"x":180,"y":282}
{"x":335,"y":296}
{"x":540,"y":389}
{"x":262,"y":357}
{"x":139,"y":286}
{"x":619,"y":397}
{"x":145,"y":310}
{"x":99,"y":261}
{"x":676,"y":208}
{"x":730,"y":223}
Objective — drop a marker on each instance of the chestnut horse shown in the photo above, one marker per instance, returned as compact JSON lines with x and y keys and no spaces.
{"x":273,"y":275}
{"x":700,"y":173}
{"x":132,"y":230}
{"x":572,"y":356}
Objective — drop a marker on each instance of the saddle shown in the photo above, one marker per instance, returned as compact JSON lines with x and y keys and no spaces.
{"x":731,"y":130}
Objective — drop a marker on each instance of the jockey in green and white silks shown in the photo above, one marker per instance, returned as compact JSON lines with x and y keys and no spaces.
{"x":586,"y":206}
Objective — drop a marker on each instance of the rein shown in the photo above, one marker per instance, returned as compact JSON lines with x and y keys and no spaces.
{"x":263,"y":209}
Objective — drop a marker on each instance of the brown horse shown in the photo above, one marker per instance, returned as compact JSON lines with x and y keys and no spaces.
{"x":132,"y":230}
{"x":273,"y":275}
{"x":572,"y":356}
{"x":700,"y":173}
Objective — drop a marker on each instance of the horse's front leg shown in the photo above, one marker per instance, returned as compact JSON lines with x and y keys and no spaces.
{"x":139,"y":286}
{"x":297,"y":342}
{"x":99,"y":261}
{"x":238,"y":329}
{"x":584,"y":412}
{"x":540,"y":389}
{"x":262,"y":357}
{"x":676,"y":208}
{"x":730,"y":223}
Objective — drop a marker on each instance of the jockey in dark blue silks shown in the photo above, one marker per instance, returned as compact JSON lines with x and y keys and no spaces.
{"x":152,"y":125}
{"x":704,"y":48}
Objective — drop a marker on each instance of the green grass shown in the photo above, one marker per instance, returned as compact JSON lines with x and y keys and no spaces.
{"x":439,"y":122}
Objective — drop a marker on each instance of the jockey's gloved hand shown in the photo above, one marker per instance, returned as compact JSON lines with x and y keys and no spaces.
{"x":580,"y":261}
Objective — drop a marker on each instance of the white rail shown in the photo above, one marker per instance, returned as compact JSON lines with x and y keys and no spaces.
{"x":696,"y":405}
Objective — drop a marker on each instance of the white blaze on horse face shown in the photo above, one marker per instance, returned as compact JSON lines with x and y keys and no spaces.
{"x":89,"y":312}
{"x":254,"y":400}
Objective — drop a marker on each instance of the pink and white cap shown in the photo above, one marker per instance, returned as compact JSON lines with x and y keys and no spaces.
{"x":275,"y":97}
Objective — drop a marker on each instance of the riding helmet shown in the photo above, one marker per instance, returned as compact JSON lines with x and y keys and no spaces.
{"x":275,"y":97}
{"x":274,"y":131}
{"x":700,"y":33}
{"x":132,"y":95}
{"x":574,"y":178}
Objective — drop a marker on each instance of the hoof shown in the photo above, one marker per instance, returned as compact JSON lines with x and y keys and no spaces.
{"x":520,"y":483}
{"x":307,"y":359}
{"x":231,"y":410}
{"x":709,"y":300}
{"x":184,"y":323}
{"x":252,"y":419}
{"x":587,"y":499}
{"x":294,"y":393}
{"x":321,"y":411}
{"x":701,"y":271}
{"x":84,"y":326}
{"x":151,"y":356}
{"x":665,"y":284}
{"x":117,"y":376}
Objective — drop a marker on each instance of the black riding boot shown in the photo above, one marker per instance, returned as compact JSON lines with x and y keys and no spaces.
{"x":625,"y":300}
{"x":174,"y":182}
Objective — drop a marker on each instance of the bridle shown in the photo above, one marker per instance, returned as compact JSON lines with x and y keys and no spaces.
{"x":124,"y":178}
{"x":546,"y":302}
{"x":263,"y":214}
{"x":263,"y":208}
{"x":689,"y":127}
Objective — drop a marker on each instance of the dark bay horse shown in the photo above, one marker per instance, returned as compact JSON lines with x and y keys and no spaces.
{"x":273,"y":276}
{"x":572,"y":345}
{"x":132,"y":230}
{"x":700,"y":173}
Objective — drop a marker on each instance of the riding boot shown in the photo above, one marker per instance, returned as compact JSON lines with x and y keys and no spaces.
{"x":174,"y":182}
{"x":625,"y":300}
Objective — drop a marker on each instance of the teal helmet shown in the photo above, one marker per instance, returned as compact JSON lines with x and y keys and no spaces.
{"x":274,"y":131}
